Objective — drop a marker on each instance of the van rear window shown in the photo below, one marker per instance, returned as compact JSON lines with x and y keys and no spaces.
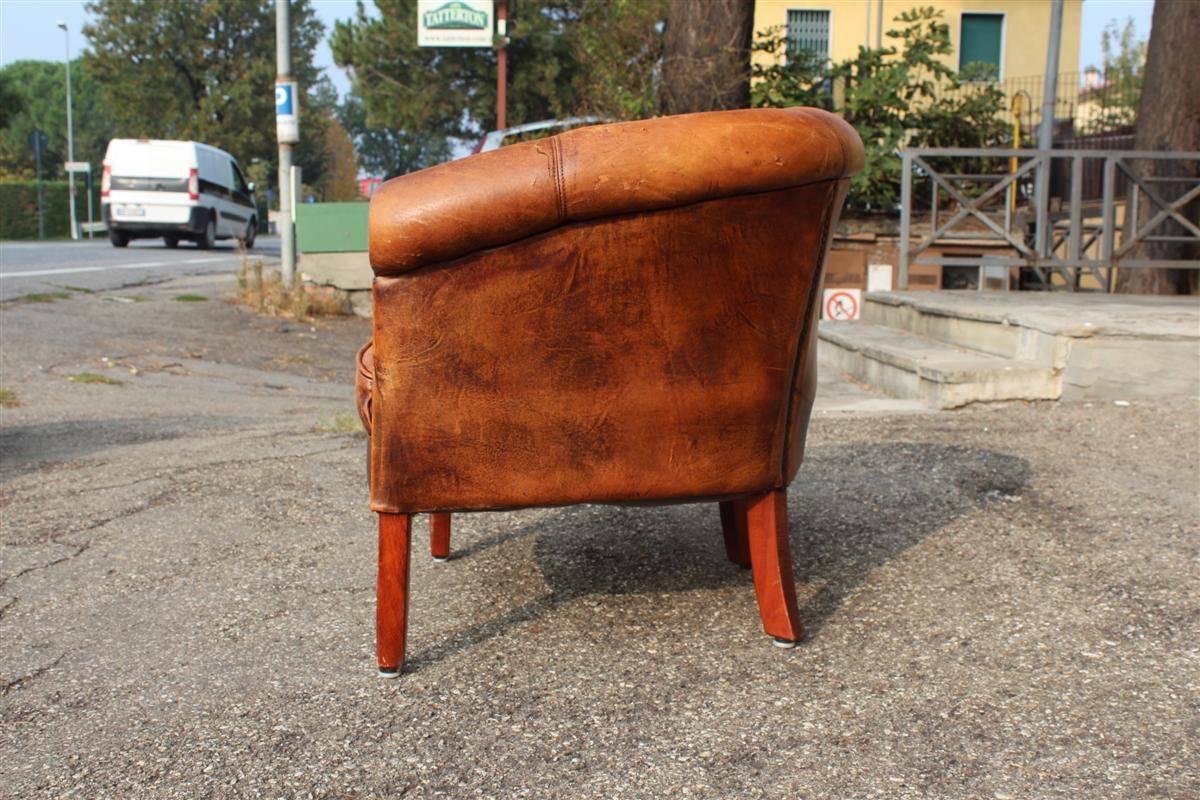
{"x":150,"y":184}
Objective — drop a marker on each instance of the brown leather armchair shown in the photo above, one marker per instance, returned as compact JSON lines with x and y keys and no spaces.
{"x":617,"y":314}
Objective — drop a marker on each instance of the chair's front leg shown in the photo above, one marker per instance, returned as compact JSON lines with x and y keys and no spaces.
{"x":439,"y":536}
{"x":771,"y":564}
{"x":391,"y":592}
{"x":733,"y":526}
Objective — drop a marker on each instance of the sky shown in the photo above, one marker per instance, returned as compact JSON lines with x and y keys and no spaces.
{"x":27,"y":29}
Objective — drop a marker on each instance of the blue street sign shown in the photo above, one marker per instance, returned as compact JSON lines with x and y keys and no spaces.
{"x":284,"y":99}
{"x":287,"y":112}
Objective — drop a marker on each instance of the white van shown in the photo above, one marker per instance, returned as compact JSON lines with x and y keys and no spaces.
{"x":175,"y":190}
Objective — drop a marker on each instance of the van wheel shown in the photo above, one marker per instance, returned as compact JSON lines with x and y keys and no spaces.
{"x":118,"y":238}
{"x":209,"y":237}
{"x":171,"y":241}
{"x":251,"y":232}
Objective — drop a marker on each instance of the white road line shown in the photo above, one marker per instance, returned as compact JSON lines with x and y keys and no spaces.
{"x":146,"y":265}
{"x":4,"y":275}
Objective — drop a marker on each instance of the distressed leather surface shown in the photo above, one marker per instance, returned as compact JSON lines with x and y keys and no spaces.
{"x":624,"y":313}
{"x":647,"y":357}
{"x":496,"y":198}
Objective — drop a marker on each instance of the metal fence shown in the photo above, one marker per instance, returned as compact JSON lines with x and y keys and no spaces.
{"x":1002,"y":199}
{"x":1085,"y":103}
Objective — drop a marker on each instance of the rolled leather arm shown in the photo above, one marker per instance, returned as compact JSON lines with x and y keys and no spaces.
{"x":447,"y":211}
{"x":364,"y":381}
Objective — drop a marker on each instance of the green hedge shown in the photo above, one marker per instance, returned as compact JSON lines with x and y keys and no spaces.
{"x":18,"y":208}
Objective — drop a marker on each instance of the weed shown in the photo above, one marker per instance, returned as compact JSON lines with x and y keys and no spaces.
{"x":41,"y":297}
{"x":8,"y":398}
{"x":189,"y":298}
{"x":80,"y":289}
{"x":341,"y":422}
{"x":91,"y":377}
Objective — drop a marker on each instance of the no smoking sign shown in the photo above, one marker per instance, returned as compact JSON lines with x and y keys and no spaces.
{"x":842,"y":304}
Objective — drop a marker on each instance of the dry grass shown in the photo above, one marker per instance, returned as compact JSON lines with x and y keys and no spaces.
{"x":265,"y":292}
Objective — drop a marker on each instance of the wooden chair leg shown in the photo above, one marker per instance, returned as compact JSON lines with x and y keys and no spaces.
{"x":771,"y":563}
{"x":391,"y":592}
{"x":439,"y":536}
{"x":733,"y":526}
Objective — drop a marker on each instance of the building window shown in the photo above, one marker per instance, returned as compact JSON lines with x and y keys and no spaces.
{"x":981,"y":41}
{"x":808,"y":32}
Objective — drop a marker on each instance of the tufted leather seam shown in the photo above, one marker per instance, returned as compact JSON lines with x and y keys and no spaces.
{"x":556,"y":175}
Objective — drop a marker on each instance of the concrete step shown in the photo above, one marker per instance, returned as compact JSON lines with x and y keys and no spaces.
{"x":1099,"y":346}
{"x":941,"y":375}
{"x":966,"y":320}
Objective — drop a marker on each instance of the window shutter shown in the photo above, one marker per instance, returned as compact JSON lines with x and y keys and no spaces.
{"x":980,"y":40}
{"x":808,"y":31}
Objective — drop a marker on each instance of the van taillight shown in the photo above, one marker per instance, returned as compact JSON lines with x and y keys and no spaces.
{"x":193,"y":184}
{"x":106,"y":181}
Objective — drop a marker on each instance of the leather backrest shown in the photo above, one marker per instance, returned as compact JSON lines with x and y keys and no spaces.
{"x":497,"y":198}
{"x":623,"y":313}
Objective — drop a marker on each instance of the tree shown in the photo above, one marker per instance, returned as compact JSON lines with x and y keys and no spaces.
{"x":40,"y":91}
{"x":706,"y":55}
{"x":619,"y":44}
{"x":341,"y":175}
{"x":894,"y":96}
{"x":1168,"y":119}
{"x":450,"y":92}
{"x":1115,"y":100}
{"x":314,"y":155}
{"x":387,"y":151}
{"x":566,"y":57}
{"x":200,"y":69}
{"x":11,"y":101}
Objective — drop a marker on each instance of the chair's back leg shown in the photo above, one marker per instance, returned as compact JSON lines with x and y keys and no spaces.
{"x":439,"y":536}
{"x":391,"y":592}
{"x":733,"y":526}
{"x":771,"y":563}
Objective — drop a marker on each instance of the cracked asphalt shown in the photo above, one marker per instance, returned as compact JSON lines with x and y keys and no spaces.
{"x":1001,"y":602}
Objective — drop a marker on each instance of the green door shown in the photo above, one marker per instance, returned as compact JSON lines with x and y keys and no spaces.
{"x":980,"y":41}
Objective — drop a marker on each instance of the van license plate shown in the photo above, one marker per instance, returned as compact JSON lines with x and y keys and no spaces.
{"x":132,"y":211}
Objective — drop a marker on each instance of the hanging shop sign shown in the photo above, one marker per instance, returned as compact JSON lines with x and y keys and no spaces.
{"x":455,"y":23}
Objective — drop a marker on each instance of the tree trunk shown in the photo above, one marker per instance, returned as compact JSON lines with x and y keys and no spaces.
{"x":1168,"y":118}
{"x":706,"y":55}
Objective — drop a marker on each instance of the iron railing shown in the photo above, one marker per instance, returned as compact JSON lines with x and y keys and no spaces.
{"x":1012,"y":212}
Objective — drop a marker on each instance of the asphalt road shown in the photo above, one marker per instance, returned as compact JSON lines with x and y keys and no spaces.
{"x":1000,"y":602}
{"x":95,"y":265}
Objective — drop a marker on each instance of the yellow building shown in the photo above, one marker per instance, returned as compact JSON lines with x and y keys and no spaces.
{"x":1011,"y":35}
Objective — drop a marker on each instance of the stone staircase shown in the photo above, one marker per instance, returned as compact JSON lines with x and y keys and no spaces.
{"x":949,"y":349}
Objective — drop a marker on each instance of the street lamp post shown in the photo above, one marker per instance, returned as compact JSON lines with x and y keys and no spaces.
{"x":70,"y":132}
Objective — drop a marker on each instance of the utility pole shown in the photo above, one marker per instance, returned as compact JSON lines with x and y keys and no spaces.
{"x":1046,"y":126}
{"x":287,"y":129}
{"x":502,"y":65}
{"x":70,"y":133}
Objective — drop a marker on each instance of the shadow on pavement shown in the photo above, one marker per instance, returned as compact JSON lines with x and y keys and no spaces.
{"x":27,"y":448}
{"x":851,"y":510}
